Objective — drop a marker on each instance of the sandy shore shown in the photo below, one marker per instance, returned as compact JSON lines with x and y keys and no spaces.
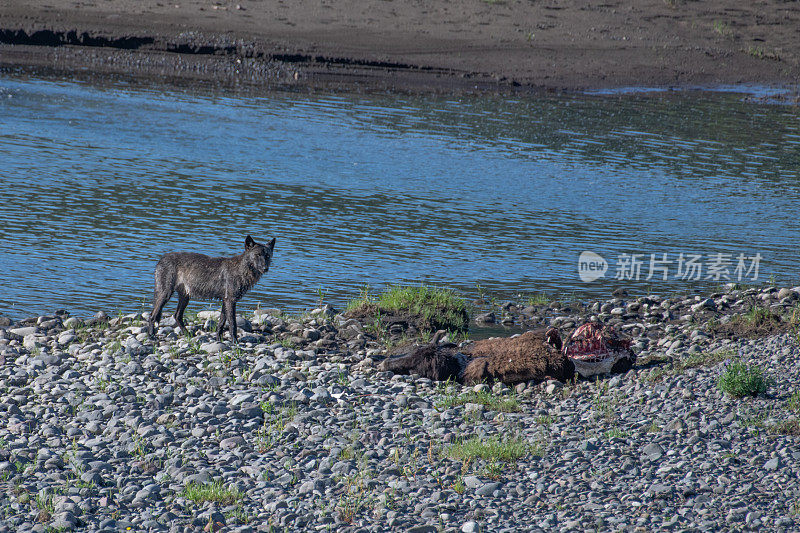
{"x":413,"y":45}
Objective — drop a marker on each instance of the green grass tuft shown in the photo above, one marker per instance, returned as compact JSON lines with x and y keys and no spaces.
{"x":494,"y":403}
{"x":492,"y":449}
{"x":701,"y":360}
{"x":757,"y":315}
{"x":211,"y":492}
{"x":434,"y":307}
{"x":616,"y":433}
{"x":786,"y":427}
{"x":679,"y":366}
{"x":739,"y":379}
{"x":539,"y":298}
{"x":793,"y":403}
{"x":722,"y":28}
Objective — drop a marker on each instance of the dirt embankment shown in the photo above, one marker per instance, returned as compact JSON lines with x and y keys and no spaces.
{"x":413,"y":45}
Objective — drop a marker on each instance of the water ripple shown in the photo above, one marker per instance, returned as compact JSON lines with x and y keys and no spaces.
{"x":99,"y":181}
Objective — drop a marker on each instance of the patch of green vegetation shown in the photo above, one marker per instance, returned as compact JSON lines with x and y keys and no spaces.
{"x":355,"y":500}
{"x":493,"y":470}
{"x":287,"y":343}
{"x":754,"y":422}
{"x":492,"y":449}
{"x":699,"y":360}
{"x":794,"y":509}
{"x":114,"y":347}
{"x":738,"y":379}
{"x":537,"y":299}
{"x":679,"y":366}
{"x":434,"y":308}
{"x":322,"y":294}
{"x":274,"y":423}
{"x":722,"y":28}
{"x":786,"y":427}
{"x":46,"y":504}
{"x":214,"y":491}
{"x":604,"y":404}
{"x":239,"y":515}
{"x":485,"y":398}
{"x":760,"y":52}
{"x":189,"y":316}
{"x":793,"y":403}
{"x":757,"y":315}
{"x":545,"y":420}
{"x":616,"y":433}
{"x":605,"y":407}
{"x":347,"y":453}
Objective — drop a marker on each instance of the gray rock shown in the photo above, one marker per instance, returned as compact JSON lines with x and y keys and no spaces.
{"x":472,"y":482}
{"x":239,"y":399}
{"x":706,"y":304}
{"x":422,"y":529}
{"x":486,"y":318}
{"x":213,"y":347}
{"x":311,"y":334}
{"x":66,"y":337}
{"x":487,"y":489}
{"x":660,"y":490}
{"x":232,"y":442}
{"x":473,"y":408}
{"x":470,"y":526}
{"x":65,"y":520}
{"x":786,"y":293}
{"x":92,"y":477}
{"x":24,"y":331}
{"x":553,"y":386}
{"x":653,"y":451}
{"x":311,"y":486}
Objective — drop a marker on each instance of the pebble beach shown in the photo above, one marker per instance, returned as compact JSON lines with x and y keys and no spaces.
{"x":105,"y":429}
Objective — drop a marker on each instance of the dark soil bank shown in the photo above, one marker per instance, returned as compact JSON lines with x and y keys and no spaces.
{"x":458,"y":45}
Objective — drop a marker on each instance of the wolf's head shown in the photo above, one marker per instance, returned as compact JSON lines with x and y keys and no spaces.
{"x":259,"y":255}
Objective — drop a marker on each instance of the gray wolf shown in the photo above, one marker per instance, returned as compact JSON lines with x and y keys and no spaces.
{"x":209,"y":278}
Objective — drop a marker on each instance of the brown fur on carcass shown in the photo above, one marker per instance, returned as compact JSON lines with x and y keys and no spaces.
{"x":530,"y":356}
{"x":535,"y":355}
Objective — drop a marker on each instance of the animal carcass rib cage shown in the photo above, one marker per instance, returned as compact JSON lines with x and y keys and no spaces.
{"x":595,"y":348}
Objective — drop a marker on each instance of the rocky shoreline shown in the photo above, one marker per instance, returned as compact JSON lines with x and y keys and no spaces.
{"x":104,"y":429}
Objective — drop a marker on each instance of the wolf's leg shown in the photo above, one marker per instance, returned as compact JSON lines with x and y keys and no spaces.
{"x":230,"y":307}
{"x":183,"y":301}
{"x":222,"y":319}
{"x":159,"y":300}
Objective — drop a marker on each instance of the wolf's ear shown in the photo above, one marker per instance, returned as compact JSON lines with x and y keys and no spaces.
{"x":271,"y":244}
{"x":249,"y":243}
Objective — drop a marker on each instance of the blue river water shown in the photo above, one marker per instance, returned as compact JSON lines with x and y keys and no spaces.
{"x":490,"y":194}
